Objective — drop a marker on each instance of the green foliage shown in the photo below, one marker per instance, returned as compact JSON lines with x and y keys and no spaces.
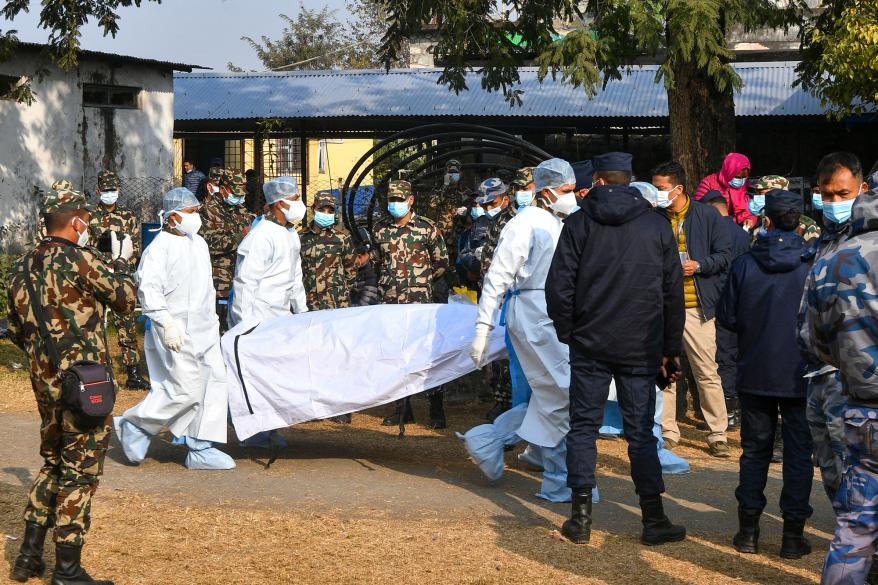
{"x":840,"y":65}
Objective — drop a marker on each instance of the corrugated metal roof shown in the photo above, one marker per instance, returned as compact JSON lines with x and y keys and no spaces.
{"x":768,"y":91}
{"x":83,"y":53}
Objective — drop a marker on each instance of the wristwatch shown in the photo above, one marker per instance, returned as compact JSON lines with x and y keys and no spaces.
{"x":697,"y":268}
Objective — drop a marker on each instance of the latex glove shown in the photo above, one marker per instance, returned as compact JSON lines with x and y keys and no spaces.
{"x":461,"y":210}
{"x":121,"y":246}
{"x":172,"y":335}
{"x":479,"y":349}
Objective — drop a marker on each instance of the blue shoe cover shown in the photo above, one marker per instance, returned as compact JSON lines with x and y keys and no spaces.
{"x":485,"y":443}
{"x":134,"y":440}
{"x":203,"y":455}
{"x":532,"y":456}
{"x":263,"y":440}
{"x":672,"y":464}
{"x":612,"y":420}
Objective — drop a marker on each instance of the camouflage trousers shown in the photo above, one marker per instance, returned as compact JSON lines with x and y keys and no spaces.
{"x":501,"y":383}
{"x":825,"y":411}
{"x":73,"y":460}
{"x":856,"y":503}
{"x":126,"y":331}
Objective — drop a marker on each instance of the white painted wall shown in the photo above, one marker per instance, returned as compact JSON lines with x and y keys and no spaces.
{"x":57,"y":138}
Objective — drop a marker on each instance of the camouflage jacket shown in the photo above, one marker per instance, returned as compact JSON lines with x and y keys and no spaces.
{"x":808,"y":228}
{"x":119,"y":220}
{"x":327,"y":267}
{"x":224,"y":227}
{"x":411,"y":257}
{"x":494,"y":235}
{"x":442,"y":208}
{"x":75,"y":285}
{"x":842,"y":312}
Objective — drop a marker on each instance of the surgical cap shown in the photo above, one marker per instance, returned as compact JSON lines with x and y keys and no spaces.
{"x":178,"y":198}
{"x":648,"y":190}
{"x":553,"y":173}
{"x":280,"y":188}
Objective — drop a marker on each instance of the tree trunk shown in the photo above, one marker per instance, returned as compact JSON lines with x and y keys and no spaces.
{"x":702,"y":122}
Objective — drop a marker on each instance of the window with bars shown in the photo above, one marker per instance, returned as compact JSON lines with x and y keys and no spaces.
{"x":109,"y":96}
{"x":281,"y":157}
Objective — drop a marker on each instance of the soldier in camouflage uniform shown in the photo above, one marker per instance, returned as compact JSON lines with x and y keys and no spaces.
{"x":327,"y":259}
{"x":110,"y":216}
{"x":501,"y":379}
{"x":59,"y":185}
{"x":808,"y":228}
{"x":447,"y":208}
{"x":225,"y":222}
{"x":411,"y":258}
{"x":75,"y":286}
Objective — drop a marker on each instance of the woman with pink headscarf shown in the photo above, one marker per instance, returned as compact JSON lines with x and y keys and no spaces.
{"x":731,"y":181}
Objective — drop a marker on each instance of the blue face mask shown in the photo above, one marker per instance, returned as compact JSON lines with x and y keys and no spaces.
{"x":454,"y":177}
{"x":324,"y":220}
{"x":756,"y":204}
{"x":524,"y":198}
{"x":762,"y":231}
{"x":817,"y":200}
{"x":839,"y":211}
{"x":737,"y":183}
{"x":494,"y":212}
{"x":234,"y":200}
{"x":398,"y":209}
{"x":476,"y":212}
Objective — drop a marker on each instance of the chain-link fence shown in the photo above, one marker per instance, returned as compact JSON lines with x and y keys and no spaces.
{"x":142,"y":195}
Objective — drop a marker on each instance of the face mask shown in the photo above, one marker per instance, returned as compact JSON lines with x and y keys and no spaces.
{"x":234,"y":200}
{"x":109,"y":197}
{"x":494,"y":212}
{"x":817,"y":200}
{"x":840,"y":211}
{"x":663,"y":199}
{"x":324,"y":220}
{"x":398,"y":209}
{"x":454,"y":177}
{"x":524,"y":198}
{"x":295,"y":212}
{"x":756,"y":204}
{"x":476,"y":212}
{"x":565,"y":203}
{"x":82,"y":240}
{"x":737,"y":183}
{"x":213,"y":189}
{"x":189,"y":223}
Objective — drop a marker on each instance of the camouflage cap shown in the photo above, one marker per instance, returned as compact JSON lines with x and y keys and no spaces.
{"x":523,"y":177}
{"x":771,"y":182}
{"x":215,"y":174}
{"x":108,"y":181}
{"x":324,"y":199}
{"x":234,"y":181}
{"x":399,"y":189}
{"x":490,"y":189}
{"x":59,"y":200}
{"x":62,"y":185}
{"x":453,"y":164}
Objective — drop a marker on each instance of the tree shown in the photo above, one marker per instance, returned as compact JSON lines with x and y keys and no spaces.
{"x":317,"y":39}
{"x":840,"y":56}
{"x":63,"y":19}
{"x":686,"y":37}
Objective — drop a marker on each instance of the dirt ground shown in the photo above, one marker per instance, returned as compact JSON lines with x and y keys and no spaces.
{"x":355,"y":504}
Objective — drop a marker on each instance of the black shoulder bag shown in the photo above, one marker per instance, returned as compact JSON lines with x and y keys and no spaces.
{"x":87,"y":387}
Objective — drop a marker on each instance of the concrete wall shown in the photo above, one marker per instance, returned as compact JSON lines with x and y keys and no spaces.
{"x":58,"y":138}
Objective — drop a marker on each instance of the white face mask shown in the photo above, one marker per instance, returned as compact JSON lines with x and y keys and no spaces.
{"x":82,"y":240}
{"x":564,"y":204}
{"x":664,"y":199}
{"x":109,"y":197}
{"x":213,"y":189}
{"x":189,"y":223}
{"x":295,"y":212}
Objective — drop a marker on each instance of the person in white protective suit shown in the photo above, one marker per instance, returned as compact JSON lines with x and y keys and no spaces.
{"x":189,"y":394}
{"x":268,"y":271}
{"x":520,"y":263}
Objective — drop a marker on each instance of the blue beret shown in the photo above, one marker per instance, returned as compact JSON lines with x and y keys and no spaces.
{"x":612,"y":161}
{"x":583,"y":171}
{"x":781,"y":201}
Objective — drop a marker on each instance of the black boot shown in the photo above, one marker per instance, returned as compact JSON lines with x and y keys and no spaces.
{"x":135,"y":381}
{"x":747,"y":538}
{"x":393,"y":419}
{"x":794,"y":545}
{"x":437,"y":411}
{"x":68,"y":570}
{"x":734,"y":415}
{"x":30,"y":558}
{"x":657,"y":529}
{"x":578,"y":529}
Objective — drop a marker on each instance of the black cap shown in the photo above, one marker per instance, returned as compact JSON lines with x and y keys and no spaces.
{"x":584,"y":171}
{"x":782,"y":201}
{"x":713,"y":195}
{"x":612,"y":161}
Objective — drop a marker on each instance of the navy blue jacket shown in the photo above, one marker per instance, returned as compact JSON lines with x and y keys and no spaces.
{"x":614,"y":291}
{"x":739,"y":237}
{"x":761,"y":304}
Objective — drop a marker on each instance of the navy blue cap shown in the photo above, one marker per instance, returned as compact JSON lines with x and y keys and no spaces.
{"x":612,"y":161}
{"x":584,"y":171}
{"x":713,"y":194}
{"x":781,"y":201}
